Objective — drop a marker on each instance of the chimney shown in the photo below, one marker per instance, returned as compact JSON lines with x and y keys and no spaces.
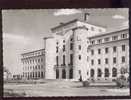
{"x":86,"y":16}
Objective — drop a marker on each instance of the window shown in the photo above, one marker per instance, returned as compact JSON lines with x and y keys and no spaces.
{"x":79,"y":57}
{"x":93,"y":42}
{"x":123,"y":47}
{"x":71,"y":59}
{"x":106,"y":72}
{"x":38,"y":60}
{"x":41,"y":66}
{"x":99,"y":51}
{"x":57,"y":73}
{"x":63,"y":47}
{"x":106,"y":60}
{"x":57,"y":62}
{"x":42,"y":75}
{"x":99,"y":41}
{"x":114,"y":49}
{"x":63,"y":73}
{"x":71,"y":39}
{"x":114,"y":72}
{"x":99,"y":61}
{"x":63,"y":59}
{"x":38,"y":66}
{"x":79,"y":47}
{"x":123,"y":59}
{"x":41,"y":60}
{"x":123,"y":36}
{"x":106,"y":39}
{"x":99,"y":73}
{"x":115,"y":37}
{"x":92,"y":62}
{"x":92,"y":52}
{"x":87,"y":58}
{"x":106,"y":50}
{"x":71,"y":74}
{"x":57,"y":49}
{"x":92,"y":73}
{"x":71,"y":46}
{"x":114,"y":60}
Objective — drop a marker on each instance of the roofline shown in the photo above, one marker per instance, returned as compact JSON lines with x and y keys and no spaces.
{"x":72,"y":21}
{"x":108,"y":33}
{"x":48,"y":37}
{"x":32,"y":51}
{"x":64,"y":24}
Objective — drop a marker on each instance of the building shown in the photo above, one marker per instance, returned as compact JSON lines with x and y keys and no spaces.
{"x":34,"y":64}
{"x":79,"y":49}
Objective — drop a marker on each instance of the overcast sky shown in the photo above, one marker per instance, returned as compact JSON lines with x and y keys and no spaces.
{"x":23,"y":30}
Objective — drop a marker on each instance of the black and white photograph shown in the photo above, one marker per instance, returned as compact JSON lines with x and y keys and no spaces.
{"x":65,"y":52}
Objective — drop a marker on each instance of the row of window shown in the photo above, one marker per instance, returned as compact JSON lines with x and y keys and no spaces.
{"x":33,"y":74}
{"x":33,"y":67}
{"x":64,"y":73}
{"x":71,"y":60}
{"x":107,"y":49}
{"x":106,"y":72}
{"x":33,"y":61}
{"x":107,"y":39}
{"x":107,"y":60}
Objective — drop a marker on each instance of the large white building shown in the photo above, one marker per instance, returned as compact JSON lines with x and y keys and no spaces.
{"x":78,"y":48}
{"x":33,"y":64}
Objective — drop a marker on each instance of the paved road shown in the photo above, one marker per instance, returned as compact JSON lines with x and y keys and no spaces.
{"x":64,"y":89}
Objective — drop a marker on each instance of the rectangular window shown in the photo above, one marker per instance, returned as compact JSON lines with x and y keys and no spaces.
{"x":92,"y":62}
{"x":93,"y":42}
{"x":63,"y":59}
{"x":114,"y":60}
{"x":79,"y":47}
{"x":106,"y":39}
{"x":79,"y":57}
{"x":106,"y":61}
{"x":99,"y":61}
{"x":123,"y":47}
{"x":123,"y":36}
{"x":57,"y":62}
{"x":71,"y":59}
{"x":92,"y":52}
{"x":123,"y":59}
{"x":99,"y":41}
{"x":99,"y":51}
{"x":115,"y":37}
{"x":114,"y":49}
{"x":71,"y":46}
{"x":57,"y":49}
{"x":63,"y":47}
{"x":106,"y":50}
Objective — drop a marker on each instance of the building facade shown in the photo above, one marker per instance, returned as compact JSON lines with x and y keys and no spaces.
{"x":33,"y":64}
{"x":79,"y":49}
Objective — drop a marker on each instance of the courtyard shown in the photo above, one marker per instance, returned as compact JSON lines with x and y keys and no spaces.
{"x":60,"y":88}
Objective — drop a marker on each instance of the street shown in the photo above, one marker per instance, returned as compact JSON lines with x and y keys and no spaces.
{"x":63,"y":88}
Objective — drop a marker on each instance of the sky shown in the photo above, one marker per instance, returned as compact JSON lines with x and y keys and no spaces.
{"x":24,"y":30}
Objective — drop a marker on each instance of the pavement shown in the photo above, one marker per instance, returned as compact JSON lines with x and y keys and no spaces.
{"x":64,"y":88}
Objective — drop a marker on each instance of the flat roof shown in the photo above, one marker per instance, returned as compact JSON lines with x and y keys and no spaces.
{"x":32,"y":51}
{"x":110,"y":32}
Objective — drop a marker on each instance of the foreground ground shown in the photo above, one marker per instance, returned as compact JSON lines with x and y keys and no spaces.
{"x":60,"y":88}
